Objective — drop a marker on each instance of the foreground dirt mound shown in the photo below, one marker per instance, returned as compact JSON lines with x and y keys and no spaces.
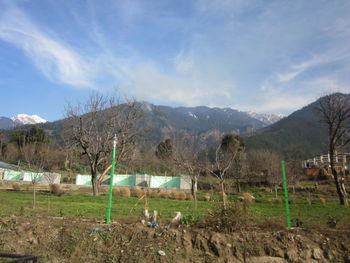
{"x":79,"y":240}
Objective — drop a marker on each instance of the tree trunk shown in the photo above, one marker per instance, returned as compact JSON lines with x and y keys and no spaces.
{"x":94,"y":185}
{"x":339,"y":184}
{"x":34,"y":197}
{"x":194,"y":191}
{"x":223,"y":195}
{"x":94,"y":181}
{"x":276,"y":191}
{"x":238,"y":185}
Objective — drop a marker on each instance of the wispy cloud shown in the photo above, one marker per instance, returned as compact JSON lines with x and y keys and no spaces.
{"x":264,"y":56}
{"x":53,"y":58}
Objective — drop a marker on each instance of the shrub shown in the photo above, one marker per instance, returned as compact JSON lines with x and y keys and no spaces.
{"x":332,"y":221}
{"x":116,"y":190}
{"x":183,"y":195}
{"x":16,"y":186}
{"x":206,"y":197}
{"x":175,"y":195}
{"x":322,"y":201}
{"x":234,"y":217}
{"x":189,"y":197}
{"x":163,"y":194}
{"x":247,"y":198}
{"x":153,"y":193}
{"x":137,"y":192}
{"x":189,"y":220}
{"x":297,"y":222}
{"x":125,"y":191}
{"x":56,"y":189}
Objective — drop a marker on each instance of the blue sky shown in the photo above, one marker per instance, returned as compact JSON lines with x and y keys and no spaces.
{"x":264,"y":56}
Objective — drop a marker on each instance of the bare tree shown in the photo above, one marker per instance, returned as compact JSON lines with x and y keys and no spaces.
{"x":92,"y":125}
{"x":225,"y":155}
{"x":183,"y":153}
{"x":266,"y":164}
{"x":35,"y":155}
{"x":334,"y":112}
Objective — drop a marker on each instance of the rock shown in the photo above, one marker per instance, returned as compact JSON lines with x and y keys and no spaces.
{"x":292,"y":255}
{"x":228,"y":245}
{"x":317,"y":253}
{"x":161,"y":253}
{"x":266,"y":259}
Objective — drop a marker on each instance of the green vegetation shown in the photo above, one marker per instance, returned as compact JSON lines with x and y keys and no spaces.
{"x":264,"y":207}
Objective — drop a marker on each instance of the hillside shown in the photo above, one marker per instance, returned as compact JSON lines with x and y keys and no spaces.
{"x":302,"y":129}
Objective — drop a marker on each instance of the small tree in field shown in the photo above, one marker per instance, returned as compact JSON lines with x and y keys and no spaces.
{"x":33,"y":146}
{"x":334,"y":112}
{"x":185,"y":156}
{"x":226,"y":153}
{"x":91,"y":127}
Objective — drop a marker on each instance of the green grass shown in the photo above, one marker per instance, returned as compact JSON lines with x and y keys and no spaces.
{"x":20,"y":203}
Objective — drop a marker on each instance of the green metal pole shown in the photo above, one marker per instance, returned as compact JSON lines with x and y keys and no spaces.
{"x":108,"y":218}
{"x":286,"y":194}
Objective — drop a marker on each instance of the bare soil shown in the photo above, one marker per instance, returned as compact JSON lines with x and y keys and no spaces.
{"x":72,"y":239}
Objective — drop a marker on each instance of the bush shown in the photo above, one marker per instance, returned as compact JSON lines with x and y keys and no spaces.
{"x":183,"y":195}
{"x":137,"y":192}
{"x":332,"y":221}
{"x":125,"y":191}
{"x":206,"y":197}
{"x":163,"y":194}
{"x":247,"y":198}
{"x":189,"y":220}
{"x":322,"y":201}
{"x":16,"y":186}
{"x":175,"y":195}
{"x":189,"y":197}
{"x":234,"y":217}
{"x":153,"y":193}
{"x":116,"y":190}
{"x":56,"y":189}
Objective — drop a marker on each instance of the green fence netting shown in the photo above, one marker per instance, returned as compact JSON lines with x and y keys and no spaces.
{"x":165,"y":182}
{"x":124,"y":180}
{"x":12,"y":175}
{"x":83,"y":179}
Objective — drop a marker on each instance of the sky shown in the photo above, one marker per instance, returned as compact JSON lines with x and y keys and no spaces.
{"x":263,"y":56}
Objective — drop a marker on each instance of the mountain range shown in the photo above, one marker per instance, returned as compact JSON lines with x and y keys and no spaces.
{"x":20,"y":119}
{"x":301,"y":132}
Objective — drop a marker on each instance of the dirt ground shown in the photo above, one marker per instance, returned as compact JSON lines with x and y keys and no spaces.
{"x":68,"y":239}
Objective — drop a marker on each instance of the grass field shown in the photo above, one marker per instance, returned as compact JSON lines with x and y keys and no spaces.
{"x":85,"y":206}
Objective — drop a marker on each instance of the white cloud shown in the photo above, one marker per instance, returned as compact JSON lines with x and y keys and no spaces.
{"x":54,"y":59}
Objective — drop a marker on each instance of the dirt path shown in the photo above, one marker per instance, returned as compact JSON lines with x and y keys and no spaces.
{"x":80,"y":240}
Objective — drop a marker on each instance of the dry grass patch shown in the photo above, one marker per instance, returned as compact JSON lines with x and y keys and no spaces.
{"x":116,"y":190}
{"x":182,"y":195}
{"x":16,"y":186}
{"x":163,"y":194}
{"x":125,"y":191}
{"x":207,"y":197}
{"x":137,"y":192}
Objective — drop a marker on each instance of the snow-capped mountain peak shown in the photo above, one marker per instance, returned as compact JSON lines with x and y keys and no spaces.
{"x":265,"y":118}
{"x":22,"y":119}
